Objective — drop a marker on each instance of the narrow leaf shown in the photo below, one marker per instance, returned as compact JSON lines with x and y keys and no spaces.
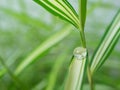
{"x":2,"y":72}
{"x":77,"y":70}
{"x":99,"y":87}
{"x":42,"y":48}
{"x":55,"y":71}
{"x":14,"y":78}
{"x":61,"y":8}
{"x":24,"y":18}
{"x":82,"y":12}
{"x":41,"y":85}
{"x":107,"y":44}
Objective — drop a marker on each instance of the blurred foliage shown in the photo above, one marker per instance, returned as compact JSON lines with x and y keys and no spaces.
{"x":24,"y":25}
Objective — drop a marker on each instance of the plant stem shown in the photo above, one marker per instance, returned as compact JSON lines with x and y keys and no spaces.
{"x":83,"y":43}
{"x":76,"y":70}
{"x":90,"y":77}
{"x":82,"y":19}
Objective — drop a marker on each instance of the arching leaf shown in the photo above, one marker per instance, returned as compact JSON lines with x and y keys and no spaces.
{"x":107,"y":44}
{"x":62,"y":9}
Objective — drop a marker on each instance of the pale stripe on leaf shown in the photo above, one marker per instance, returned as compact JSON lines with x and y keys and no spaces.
{"x":61,"y":8}
{"x":77,"y":70}
{"x":42,"y":48}
{"x":107,"y":44}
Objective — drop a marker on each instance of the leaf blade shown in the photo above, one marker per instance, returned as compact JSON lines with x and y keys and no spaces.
{"x":77,"y":69}
{"x":82,"y":12}
{"x":55,"y":71}
{"x":62,"y":9}
{"x":42,"y":48}
{"x":108,"y":42}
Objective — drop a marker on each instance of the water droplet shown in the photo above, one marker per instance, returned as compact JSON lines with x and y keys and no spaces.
{"x":80,"y":53}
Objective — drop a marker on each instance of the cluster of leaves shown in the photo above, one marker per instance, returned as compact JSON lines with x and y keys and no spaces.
{"x":64,"y":10}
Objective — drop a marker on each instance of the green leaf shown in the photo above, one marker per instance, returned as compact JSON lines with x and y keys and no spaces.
{"x":42,"y":48}
{"x":41,"y":85}
{"x":2,"y":72}
{"x":61,"y":8}
{"x":82,"y":18}
{"x":82,"y":12}
{"x":24,"y":18}
{"x":77,"y":69}
{"x":108,"y":42}
{"x":55,"y":71}
{"x":14,"y":78}
{"x":98,"y":87}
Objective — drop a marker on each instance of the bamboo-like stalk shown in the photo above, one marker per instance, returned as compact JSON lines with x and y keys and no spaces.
{"x":76,"y":69}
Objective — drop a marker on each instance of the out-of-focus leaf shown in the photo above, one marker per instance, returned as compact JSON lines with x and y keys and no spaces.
{"x":24,"y":18}
{"x":40,"y":86}
{"x":42,"y":48}
{"x":98,"y":87}
{"x":55,"y":71}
